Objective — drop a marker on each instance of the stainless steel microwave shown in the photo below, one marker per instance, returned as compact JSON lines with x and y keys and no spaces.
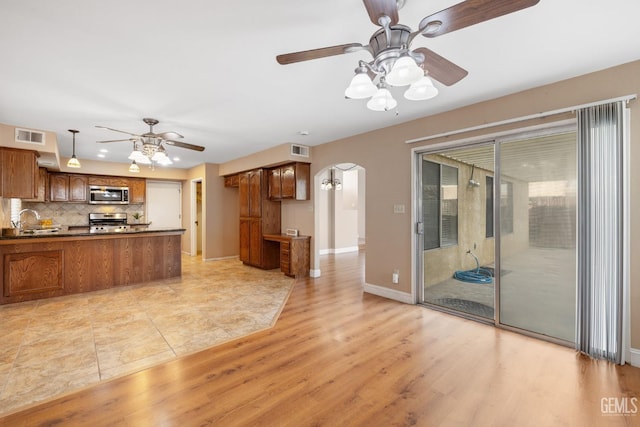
{"x":101,"y":195}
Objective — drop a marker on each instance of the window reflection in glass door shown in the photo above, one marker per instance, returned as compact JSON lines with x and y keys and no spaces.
{"x":458,"y":250}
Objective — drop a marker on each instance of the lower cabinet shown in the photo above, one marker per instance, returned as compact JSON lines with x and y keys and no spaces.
{"x":32,"y":273}
{"x":294,"y":253}
{"x":49,"y":267}
{"x":254,"y":250}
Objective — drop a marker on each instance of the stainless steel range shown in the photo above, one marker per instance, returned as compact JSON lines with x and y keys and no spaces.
{"x":108,"y":222}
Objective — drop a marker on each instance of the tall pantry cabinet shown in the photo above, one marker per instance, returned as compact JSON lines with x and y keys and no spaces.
{"x":258,"y":216}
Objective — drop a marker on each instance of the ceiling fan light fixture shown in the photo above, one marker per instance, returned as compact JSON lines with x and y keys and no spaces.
{"x":421,"y":90}
{"x":361,"y":86}
{"x":404,"y":72}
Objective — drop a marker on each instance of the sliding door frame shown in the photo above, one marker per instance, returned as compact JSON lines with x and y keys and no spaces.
{"x":495,"y":139}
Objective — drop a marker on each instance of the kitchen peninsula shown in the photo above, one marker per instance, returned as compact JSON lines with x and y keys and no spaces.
{"x":36,"y":266}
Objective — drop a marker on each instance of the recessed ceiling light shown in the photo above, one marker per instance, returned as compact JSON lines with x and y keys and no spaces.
{"x":102,"y":156}
{"x":104,"y":150}
{"x":176,"y":159}
{"x":303,"y":132}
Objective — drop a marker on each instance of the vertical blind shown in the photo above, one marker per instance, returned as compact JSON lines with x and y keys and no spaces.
{"x":600,"y":236}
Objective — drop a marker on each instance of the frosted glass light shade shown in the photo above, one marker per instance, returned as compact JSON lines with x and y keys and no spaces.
{"x":404,"y":72}
{"x":382,"y":101}
{"x":139,"y":157}
{"x":421,"y":90}
{"x":360,"y":87}
{"x":73,"y":162}
{"x":134,"y":167}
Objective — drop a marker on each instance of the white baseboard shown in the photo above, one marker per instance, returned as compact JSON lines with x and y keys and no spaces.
{"x":634,"y":360}
{"x":314,"y":273}
{"x":389,"y":293}
{"x":339,"y":250}
{"x":221,"y":258}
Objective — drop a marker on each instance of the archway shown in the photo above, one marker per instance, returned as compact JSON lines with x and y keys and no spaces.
{"x":339,"y":199}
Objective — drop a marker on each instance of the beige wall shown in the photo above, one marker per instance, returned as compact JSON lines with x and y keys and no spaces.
{"x":388,"y":162}
{"x":219,"y":213}
{"x":273,"y":156}
{"x":441,"y":263}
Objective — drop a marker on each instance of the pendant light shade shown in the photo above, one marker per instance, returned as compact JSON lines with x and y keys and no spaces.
{"x":134,"y":168}
{"x":73,"y":161}
{"x":421,"y":90}
{"x":382,"y":100}
{"x":361,"y":86}
{"x":404,"y":72}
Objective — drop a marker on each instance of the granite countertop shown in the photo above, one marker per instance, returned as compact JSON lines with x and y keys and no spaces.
{"x":84,"y":231}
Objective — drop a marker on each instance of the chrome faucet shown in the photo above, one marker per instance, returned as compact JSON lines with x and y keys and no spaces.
{"x":36,"y":214}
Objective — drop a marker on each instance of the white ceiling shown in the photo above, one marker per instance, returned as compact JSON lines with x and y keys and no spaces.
{"x":207,"y":69}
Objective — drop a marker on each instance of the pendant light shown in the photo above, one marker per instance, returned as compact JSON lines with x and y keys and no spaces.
{"x":73,"y":161}
{"x":134,"y":168}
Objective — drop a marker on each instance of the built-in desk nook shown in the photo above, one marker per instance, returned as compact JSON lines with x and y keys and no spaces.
{"x":294,"y":253}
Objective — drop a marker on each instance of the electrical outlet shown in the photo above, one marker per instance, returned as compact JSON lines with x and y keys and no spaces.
{"x":399,"y":209}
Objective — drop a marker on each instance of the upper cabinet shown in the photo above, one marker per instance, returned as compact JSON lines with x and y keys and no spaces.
{"x":111,"y":181}
{"x":231,"y":181}
{"x":290,"y":181}
{"x":19,"y":173}
{"x":42,"y":186}
{"x":137,"y":190}
{"x":65,"y":187}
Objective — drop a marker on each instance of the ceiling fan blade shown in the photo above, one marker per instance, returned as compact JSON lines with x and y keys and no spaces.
{"x":469,"y":13}
{"x":184,"y":145}
{"x":379,"y":8}
{"x":116,"y":130}
{"x":117,"y":140}
{"x":306,"y":55}
{"x":441,"y":69}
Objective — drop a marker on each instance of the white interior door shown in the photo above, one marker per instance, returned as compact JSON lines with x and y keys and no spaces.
{"x":164,"y":204}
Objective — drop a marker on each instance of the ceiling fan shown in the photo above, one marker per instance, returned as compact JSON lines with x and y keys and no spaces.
{"x":148,"y":148}
{"x":394,"y":63}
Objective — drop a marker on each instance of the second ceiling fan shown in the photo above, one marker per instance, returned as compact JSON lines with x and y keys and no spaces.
{"x":395,"y":63}
{"x":148,"y":148}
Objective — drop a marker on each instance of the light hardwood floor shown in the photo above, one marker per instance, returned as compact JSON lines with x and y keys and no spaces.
{"x":339,"y":357}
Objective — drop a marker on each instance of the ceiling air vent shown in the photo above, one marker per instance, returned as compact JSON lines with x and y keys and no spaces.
{"x":299,"y":150}
{"x":30,"y":136}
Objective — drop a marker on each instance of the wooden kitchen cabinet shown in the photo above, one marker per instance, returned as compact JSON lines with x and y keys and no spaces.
{"x":42,"y":186}
{"x":110,"y":181}
{"x":68,"y":188}
{"x":58,"y":187}
{"x":294,"y":253}
{"x":231,"y":181}
{"x":258,"y":215}
{"x":19,"y":173}
{"x":78,"y":188}
{"x":137,"y":190}
{"x":291,"y":181}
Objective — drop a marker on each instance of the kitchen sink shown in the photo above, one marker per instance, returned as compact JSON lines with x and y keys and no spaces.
{"x":40,"y":231}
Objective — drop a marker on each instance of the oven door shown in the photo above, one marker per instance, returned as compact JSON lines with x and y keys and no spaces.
{"x":108,"y":195}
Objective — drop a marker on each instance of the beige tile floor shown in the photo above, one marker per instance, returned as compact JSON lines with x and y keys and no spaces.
{"x":50,"y":347}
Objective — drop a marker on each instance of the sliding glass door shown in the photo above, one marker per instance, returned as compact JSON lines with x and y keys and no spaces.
{"x":498,"y":224}
{"x":457,"y":251}
{"x":538,"y":234}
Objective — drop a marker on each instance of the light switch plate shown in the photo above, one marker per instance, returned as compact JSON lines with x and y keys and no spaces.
{"x":399,"y":209}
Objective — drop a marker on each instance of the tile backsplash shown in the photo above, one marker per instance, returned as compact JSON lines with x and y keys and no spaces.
{"x":78,"y":213}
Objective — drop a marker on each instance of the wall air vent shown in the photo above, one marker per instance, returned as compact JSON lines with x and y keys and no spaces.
{"x":299,"y":150}
{"x":30,"y":136}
